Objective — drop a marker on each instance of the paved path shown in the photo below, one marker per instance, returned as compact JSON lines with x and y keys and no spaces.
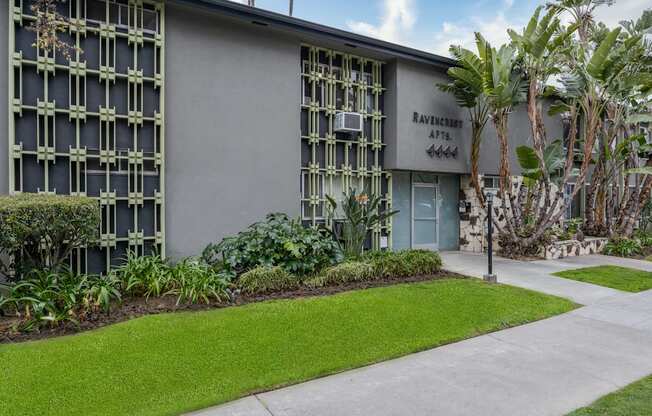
{"x":536,"y":275}
{"x":548,"y":367}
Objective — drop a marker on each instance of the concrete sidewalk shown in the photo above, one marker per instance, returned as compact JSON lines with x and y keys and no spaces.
{"x":536,"y":275}
{"x":548,"y":367}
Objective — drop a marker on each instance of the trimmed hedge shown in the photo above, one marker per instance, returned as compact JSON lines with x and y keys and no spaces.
{"x":40,"y":231}
{"x":349,"y":271}
{"x":264,"y":279}
{"x":404,"y":263}
{"x":378,"y":265}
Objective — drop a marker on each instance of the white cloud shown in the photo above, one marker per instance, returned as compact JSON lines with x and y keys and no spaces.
{"x":463,"y":33}
{"x":621,"y":10}
{"x":398,"y":18}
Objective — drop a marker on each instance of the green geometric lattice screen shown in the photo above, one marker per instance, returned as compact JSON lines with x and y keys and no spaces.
{"x":333,"y":161}
{"x":94,"y":125}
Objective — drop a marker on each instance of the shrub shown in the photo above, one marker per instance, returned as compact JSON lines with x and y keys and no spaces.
{"x":266,"y":279}
{"x":144,"y":275}
{"x":40,"y":231}
{"x":191,"y":279}
{"x":53,"y":297}
{"x":404,"y":263}
{"x":571,"y":230}
{"x":277,"y":241}
{"x":623,"y":247}
{"x":644,"y":238}
{"x":194,"y":281}
{"x":361,"y":213}
{"x":101,"y":291}
{"x":349,"y":271}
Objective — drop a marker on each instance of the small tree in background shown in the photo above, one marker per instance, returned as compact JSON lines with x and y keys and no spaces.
{"x":47,"y":26}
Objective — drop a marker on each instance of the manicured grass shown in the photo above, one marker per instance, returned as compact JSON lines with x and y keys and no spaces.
{"x":615,"y":277}
{"x":633,"y":400}
{"x":171,"y":363}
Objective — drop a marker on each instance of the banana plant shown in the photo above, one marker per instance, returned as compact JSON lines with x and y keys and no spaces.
{"x":532,"y":169}
{"x":468,"y":89}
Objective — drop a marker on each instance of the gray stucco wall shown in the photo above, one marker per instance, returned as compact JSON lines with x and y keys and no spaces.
{"x":232,"y":127}
{"x":402,"y":201}
{"x":519,"y":134}
{"x":412,"y":88}
{"x":4,"y":111}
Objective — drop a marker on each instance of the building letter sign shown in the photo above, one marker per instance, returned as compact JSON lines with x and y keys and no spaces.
{"x":440,"y":130}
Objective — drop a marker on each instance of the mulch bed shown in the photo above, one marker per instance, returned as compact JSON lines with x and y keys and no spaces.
{"x":131,"y":308}
{"x":647,"y":252}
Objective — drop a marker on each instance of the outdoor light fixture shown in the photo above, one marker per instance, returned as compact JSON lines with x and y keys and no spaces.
{"x":490,"y":276}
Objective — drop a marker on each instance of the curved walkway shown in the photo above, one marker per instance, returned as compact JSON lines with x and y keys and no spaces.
{"x":548,"y":367}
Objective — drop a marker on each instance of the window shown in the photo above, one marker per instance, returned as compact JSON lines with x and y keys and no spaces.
{"x":119,"y":15}
{"x":573,"y":207}
{"x":491,"y":183}
{"x":306,"y":87}
{"x":370,"y":99}
{"x":306,"y":208}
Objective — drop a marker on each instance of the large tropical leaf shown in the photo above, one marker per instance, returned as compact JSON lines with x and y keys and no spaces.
{"x":597,"y":63}
{"x":527,"y":158}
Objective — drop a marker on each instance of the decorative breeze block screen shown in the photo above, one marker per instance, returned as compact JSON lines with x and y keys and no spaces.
{"x":94,"y":125}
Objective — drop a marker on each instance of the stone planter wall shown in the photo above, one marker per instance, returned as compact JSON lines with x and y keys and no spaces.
{"x":571,"y":248}
{"x":473,"y":222}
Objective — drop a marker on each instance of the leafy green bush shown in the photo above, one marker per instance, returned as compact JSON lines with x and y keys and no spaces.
{"x":101,"y":291}
{"x":348,"y":271}
{"x":572,"y":230}
{"x":623,"y":247}
{"x":264,"y":279}
{"x":194,"y":281}
{"x":403,"y":263}
{"x":40,"y":231}
{"x":144,"y":275}
{"x":644,"y":238}
{"x":277,"y":241}
{"x":53,"y":297}
{"x":361,"y":213}
{"x":191,"y":279}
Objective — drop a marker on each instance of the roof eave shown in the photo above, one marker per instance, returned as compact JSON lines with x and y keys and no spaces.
{"x":281,"y":21}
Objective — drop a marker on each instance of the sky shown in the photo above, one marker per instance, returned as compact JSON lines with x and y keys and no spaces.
{"x":433,"y":25}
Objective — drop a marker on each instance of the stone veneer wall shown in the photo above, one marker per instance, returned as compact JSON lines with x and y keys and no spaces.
{"x":472,"y":228}
{"x":472,"y":222}
{"x":571,"y":248}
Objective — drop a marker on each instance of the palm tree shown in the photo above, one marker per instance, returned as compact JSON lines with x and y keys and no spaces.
{"x":467,"y":88}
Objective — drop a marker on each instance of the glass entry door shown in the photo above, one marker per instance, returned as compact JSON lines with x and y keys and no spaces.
{"x":425,"y":216}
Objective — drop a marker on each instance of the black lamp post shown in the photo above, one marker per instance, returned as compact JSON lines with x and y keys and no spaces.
{"x":490,"y":276}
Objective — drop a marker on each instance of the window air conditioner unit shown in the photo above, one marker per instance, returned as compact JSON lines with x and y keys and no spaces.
{"x":348,"y":122}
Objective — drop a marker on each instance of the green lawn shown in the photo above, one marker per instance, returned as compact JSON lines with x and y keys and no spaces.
{"x":170,"y":363}
{"x":615,"y":277}
{"x":633,"y":400}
